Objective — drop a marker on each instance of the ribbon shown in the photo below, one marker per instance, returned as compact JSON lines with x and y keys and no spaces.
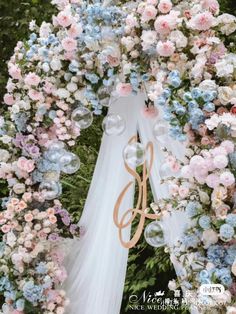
{"x":141,"y":205}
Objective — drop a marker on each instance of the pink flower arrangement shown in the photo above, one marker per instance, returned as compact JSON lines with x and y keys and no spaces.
{"x":165,"y":49}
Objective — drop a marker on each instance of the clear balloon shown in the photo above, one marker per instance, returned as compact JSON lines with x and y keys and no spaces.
{"x":165,"y":171}
{"x":113,"y":124}
{"x":160,"y":132}
{"x":54,"y":155}
{"x":50,"y":189}
{"x":153,"y":234}
{"x":69,"y":163}
{"x":82,"y":117}
{"x":134,"y":154}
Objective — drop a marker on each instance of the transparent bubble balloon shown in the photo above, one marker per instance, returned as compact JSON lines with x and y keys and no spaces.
{"x":160,"y":132}
{"x":153,"y":234}
{"x":54,"y":155}
{"x":134,"y":154}
{"x":57,"y":145}
{"x":69,"y":163}
{"x":113,"y":124}
{"x":82,"y":117}
{"x":165,"y":171}
{"x":50,"y":189}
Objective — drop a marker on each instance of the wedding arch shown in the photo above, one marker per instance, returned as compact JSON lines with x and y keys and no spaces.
{"x":166,"y":72}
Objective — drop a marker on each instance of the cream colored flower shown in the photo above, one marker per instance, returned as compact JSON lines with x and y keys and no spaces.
{"x":225,"y":94}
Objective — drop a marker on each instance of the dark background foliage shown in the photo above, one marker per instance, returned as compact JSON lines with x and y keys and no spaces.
{"x":148,"y":268}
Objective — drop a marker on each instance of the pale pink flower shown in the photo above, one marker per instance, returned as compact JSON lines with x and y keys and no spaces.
{"x":131,"y":21}
{"x":5,"y":228}
{"x":220,"y":161}
{"x":212,"y":180}
{"x":165,"y":6}
{"x":124,"y":89}
{"x":164,"y":24}
{"x":186,"y":172}
{"x":69,"y":44}
{"x":28,"y":217}
{"x":173,"y":188}
{"x":35,"y":95}
{"x":227,"y":178}
{"x":15,"y":72}
{"x":75,"y":30}
{"x":228,"y":146}
{"x":149,"y":13}
{"x":64,"y":19}
{"x":202,"y":21}
{"x":25,"y":164}
{"x":9,"y":99}
{"x":165,"y":49}
{"x":211,"y":5}
{"x":32,"y":79}
{"x":183,"y":191}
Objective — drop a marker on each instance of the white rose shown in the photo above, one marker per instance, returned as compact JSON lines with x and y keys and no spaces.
{"x":15,"y":108}
{"x":231,"y":310}
{"x":228,"y":23}
{"x":62,"y":93}
{"x":208,"y":85}
{"x":204,"y":197}
{"x":172,"y":285}
{"x":45,"y":67}
{"x":55,"y":64}
{"x":72,"y":87}
{"x":179,"y":39}
{"x":224,"y":68}
{"x":209,"y":237}
{"x":6,"y":139}
{"x":225,"y":94}
{"x":128,"y":42}
{"x":4,"y":155}
{"x":19,"y":188}
{"x":148,"y":39}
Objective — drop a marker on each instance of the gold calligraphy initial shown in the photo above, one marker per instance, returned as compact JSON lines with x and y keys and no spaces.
{"x":141,"y":206}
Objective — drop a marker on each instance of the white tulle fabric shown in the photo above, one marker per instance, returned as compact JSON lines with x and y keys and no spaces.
{"x":97,"y":262}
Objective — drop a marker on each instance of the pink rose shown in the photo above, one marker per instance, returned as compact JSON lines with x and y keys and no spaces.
{"x":183,"y":191}
{"x":124,"y":89}
{"x":5,"y":228}
{"x":164,"y":24}
{"x":64,"y":19}
{"x":15,"y":72}
{"x":202,"y":21}
{"x":165,"y":49}
{"x":9,"y":99}
{"x":212,"y":180}
{"x":221,"y":211}
{"x":220,"y":161}
{"x":173,"y":189}
{"x":165,"y":6}
{"x":25,"y":164}
{"x":227,"y":178}
{"x":69,"y":44}
{"x":149,"y":13}
{"x":32,"y":79}
{"x":28,"y":217}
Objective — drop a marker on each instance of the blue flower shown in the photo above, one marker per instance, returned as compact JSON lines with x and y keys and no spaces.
{"x":231,"y":254}
{"x":216,"y":254}
{"x":20,"y":304}
{"x":33,"y":293}
{"x":192,"y":208}
{"x":226,"y":231}
{"x":166,"y":93}
{"x":161,"y":101}
{"x":196,"y":93}
{"x":41,"y":268}
{"x":224,"y":276}
{"x":208,"y":96}
{"x":93,"y":78}
{"x":209,"y":107}
{"x":231,"y":220}
{"x":204,"y":222}
{"x":204,"y":277}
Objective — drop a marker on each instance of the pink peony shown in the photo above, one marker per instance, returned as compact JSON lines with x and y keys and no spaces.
{"x":25,"y":164}
{"x":9,"y":99}
{"x":32,"y":79}
{"x":202,"y":21}
{"x":220,"y":161}
{"x":124,"y":89}
{"x":212,"y":180}
{"x":165,"y":6}
{"x":64,"y":19}
{"x":165,"y":49}
{"x":164,"y":24}
{"x":227,"y":178}
{"x":149,"y":13}
{"x":15,"y":72}
{"x":35,"y":95}
{"x":75,"y":30}
{"x":69,"y":44}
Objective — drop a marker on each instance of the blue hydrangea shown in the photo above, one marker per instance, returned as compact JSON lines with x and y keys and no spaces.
{"x":226,"y":231}
{"x":196,"y":93}
{"x":209,"y":107}
{"x":33,"y":293}
{"x":208,"y":96}
{"x":204,"y":277}
{"x":224,"y":275}
{"x":5,"y":283}
{"x":190,"y":240}
{"x":196,"y":118}
{"x":231,"y":254}
{"x":231,"y":220}
{"x":187,"y":97}
{"x":192,"y":208}
{"x":217,"y":254}
{"x":204,"y":222}
{"x":161,"y":101}
{"x":41,"y":268}
{"x":166,"y":93}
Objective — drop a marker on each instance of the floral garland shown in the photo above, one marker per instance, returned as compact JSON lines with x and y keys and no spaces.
{"x":175,"y":52}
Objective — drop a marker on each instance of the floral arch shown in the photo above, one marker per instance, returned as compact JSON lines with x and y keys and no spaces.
{"x":178,"y":54}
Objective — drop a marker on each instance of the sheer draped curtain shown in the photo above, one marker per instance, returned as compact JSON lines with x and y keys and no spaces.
{"x":97,"y":262}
